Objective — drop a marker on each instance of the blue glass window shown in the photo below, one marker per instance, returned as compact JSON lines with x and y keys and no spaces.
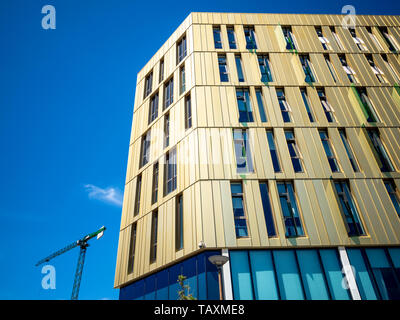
{"x":289,"y":210}
{"x":238,"y":210}
{"x":265,"y":70}
{"x":181,"y":52}
{"x":391,"y":189}
{"x":239,"y":68}
{"x":273,"y":151}
{"x":168,"y":92}
{"x":241,"y":278}
{"x":385,"y":276}
{"x":244,"y":105}
{"x":231,"y":37}
{"x":212,"y":277}
{"x":307,"y":104}
{"x":352,"y":219}
{"x":162,"y":285}
{"x":260,"y":103}
{"x":190,"y":272}
{"x":289,"y":38}
{"x":326,"y":106}
{"x":263,"y":275}
{"x":150,"y":287}
{"x":293,"y":151}
{"x":284,"y":105}
{"x":250,"y":38}
{"x":312,"y":275}
{"x":349,"y":151}
{"x":328,"y":151}
{"x":306,"y":64}
{"x":363,"y":279}
{"x":223,"y":69}
{"x":289,"y":280}
{"x":174,"y":287}
{"x":269,"y":220}
{"x":217,"y":38}
{"x":382,"y":156}
{"x":333,"y":273}
{"x":244,"y":162}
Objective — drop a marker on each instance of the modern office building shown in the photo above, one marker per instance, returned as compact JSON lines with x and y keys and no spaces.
{"x":272,"y":139}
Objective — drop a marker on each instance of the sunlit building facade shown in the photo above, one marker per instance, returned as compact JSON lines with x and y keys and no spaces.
{"x":272,"y":139}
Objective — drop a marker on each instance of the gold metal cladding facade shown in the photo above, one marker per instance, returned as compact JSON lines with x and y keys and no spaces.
{"x":205,"y":151}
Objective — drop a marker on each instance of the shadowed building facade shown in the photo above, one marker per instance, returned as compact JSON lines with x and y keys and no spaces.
{"x":272,"y":139}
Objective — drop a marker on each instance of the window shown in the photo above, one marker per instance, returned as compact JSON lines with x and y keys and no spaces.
{"x":132,"y":247}
{"x":289,"y":274}
{"x":145,"y":149}
{"x":349,"y":71}
{"x":349,"y":151}
{"x":380,"y":153}
{"x":289,"y":38}
{"x":284,"y":105}
{"x":250,"y":36}
{"x":166,"y":130}
{"x":188,"y":112}
{"x":244,"y":162}
{"x":154,"y":190}
{"x":330,"y":67}
{"x":244,"y":105}
{"x":223,"y":69}
{"x":182,"y":80}
{"x":168,"y":93}
{"x":366,"y":105}
{"x":392,"y":191}
{"x":260,"y":102}
{"x":239,"y":68}
{"x":307,"y":68}
{"x":391,"y":43}
{"x":379,"y":275}
{"x":378,"y":72}
{"x":137,"y":195}
{"x":374,"y":38}
{"x":358,"y":41}
{"x":329,"y":151}
{"x":238,"y":210}
{"x":293,"y":151}
{"x":273,"y":151}
{"x":326,"y":106}
{"x":336,"y":37}
{"x":148,"y":82}
{"x":231,"y":37}
{"x":324,"y":41}
{"x":349,"y":210}
{"x":161,"y":75}
{"x":289,"y":209}
{"x":265,"y":70}
{"x":179,"y":223}
{"x":153,"y":110}
{"x":153,"y":236}
{"x":269,"y":219}
{"x":394,"y":73}
{"x":304,"y":95}
{"x":217,"y":37}
{"x":170,"y":172}
{"x":181,"y":49}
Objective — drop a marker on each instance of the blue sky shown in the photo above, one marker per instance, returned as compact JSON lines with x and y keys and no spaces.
{"x":66,"y":102}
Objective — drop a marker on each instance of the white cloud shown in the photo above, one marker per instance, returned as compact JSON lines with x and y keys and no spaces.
{"x":109,"y":195}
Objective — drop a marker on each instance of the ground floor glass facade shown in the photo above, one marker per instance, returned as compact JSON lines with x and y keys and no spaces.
{"x":279,"y":274}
